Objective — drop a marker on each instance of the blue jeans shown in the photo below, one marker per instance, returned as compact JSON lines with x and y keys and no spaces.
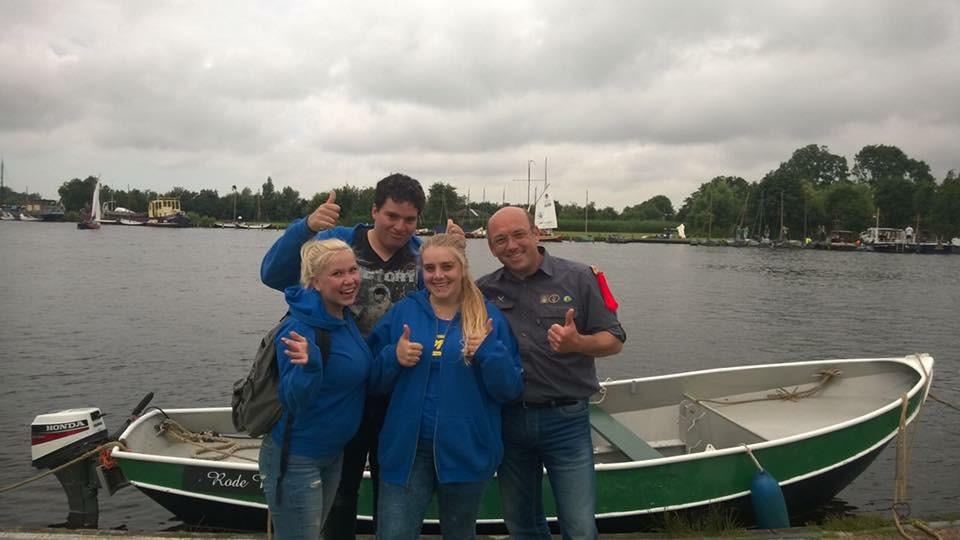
{"x":558,"y":439}
{"x":306,"y":491}
{"x":401,"y":508}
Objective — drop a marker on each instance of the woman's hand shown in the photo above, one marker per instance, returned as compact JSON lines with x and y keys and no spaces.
{"x":297,"y":348}
{"x":408,"y":352}
{"x":474,"y":342}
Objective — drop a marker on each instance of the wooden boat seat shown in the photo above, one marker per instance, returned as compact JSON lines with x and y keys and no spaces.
{"x":620,"y":436}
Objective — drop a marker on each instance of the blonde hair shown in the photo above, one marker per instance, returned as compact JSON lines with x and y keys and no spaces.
{"x":473,"y":311}
{"x":315,"y":255}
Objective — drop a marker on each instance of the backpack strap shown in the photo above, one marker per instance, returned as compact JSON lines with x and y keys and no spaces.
{"x":323,"y":342}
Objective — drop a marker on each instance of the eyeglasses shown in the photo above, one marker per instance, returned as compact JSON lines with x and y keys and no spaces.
{"x":518,"y":235}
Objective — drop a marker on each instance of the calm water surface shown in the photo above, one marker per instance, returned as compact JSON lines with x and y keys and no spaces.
{"x":99,"y":318}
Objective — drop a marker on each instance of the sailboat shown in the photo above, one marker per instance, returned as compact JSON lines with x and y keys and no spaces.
{"x":545,"y":218}
{"x":545,"y":211}
{"x":92,"y":221}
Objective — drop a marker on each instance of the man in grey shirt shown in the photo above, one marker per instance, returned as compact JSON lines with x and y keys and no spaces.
{"x":555,"y":308}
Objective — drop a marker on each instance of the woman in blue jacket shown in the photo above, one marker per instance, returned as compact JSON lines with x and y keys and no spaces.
{"x":323,"y":396}
{"x":451,"y":362}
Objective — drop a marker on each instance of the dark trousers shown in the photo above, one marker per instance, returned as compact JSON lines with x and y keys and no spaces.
{"x":341,"y":524}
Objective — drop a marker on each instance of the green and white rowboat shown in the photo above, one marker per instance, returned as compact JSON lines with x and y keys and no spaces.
{"x":673,"y":443}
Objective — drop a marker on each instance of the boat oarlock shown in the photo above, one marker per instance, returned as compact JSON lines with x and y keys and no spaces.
{"x":73,"y":444}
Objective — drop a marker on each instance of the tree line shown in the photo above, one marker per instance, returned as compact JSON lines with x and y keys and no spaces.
{"x":814,"y":190}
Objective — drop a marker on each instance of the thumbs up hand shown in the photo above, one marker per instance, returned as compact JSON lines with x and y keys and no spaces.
{"x":474,"y":342}
{"x":408,"y":352}
{"x":326,"y":215}
{"x":296,"y":349}
{"x":456,"y":230}
{"x":566,"y":338}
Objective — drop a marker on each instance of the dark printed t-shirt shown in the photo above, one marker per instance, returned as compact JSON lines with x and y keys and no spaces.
{"x":381,"y":282}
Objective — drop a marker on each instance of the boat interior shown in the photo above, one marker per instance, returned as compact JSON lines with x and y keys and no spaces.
{"x":655,"y":418}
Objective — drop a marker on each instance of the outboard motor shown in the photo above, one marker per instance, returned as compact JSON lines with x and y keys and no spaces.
{"x":60,"y":437}
{"x":57,"y":438}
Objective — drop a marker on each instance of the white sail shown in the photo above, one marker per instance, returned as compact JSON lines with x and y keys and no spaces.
{"x":95,"y":209}
{"x":545,"y":217}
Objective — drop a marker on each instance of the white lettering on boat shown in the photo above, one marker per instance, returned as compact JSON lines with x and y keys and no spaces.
{"x":221,"y":479}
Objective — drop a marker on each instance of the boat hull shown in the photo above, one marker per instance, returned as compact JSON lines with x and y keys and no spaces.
{"x":812,"y":465}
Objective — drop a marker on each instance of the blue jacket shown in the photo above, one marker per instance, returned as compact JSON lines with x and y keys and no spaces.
{"x":467,"y":444}
{"x":326,"y":399}
{"x":280,"y":267}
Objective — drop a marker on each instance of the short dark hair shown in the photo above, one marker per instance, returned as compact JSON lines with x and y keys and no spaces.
{"x":400,"y":188}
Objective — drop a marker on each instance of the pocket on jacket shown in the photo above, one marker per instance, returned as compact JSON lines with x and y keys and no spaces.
{"x":465,"y":445}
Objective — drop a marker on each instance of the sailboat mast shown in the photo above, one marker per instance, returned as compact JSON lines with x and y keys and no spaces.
{"x":586,"y":210}
{"x":781,"y":216}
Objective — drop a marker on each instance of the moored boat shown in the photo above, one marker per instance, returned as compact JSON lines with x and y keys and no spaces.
{"x":884,"y":239}
{"x":839,"y":240}
{"x":166,"y":212}
{"x":672,"y":443}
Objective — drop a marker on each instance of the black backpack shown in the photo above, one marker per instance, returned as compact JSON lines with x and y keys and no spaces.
{"x":256,"y":404}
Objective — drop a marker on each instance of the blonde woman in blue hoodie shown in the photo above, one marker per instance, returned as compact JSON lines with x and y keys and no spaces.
{"x":451,"y":362}
{"x":324,"y":397}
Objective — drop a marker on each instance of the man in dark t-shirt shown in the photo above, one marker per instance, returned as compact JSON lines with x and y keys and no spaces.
{"x":388,"y":254}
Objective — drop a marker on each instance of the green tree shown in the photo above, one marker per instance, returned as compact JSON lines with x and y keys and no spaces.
{"x":657,"y":207}
{"x":441,"y":199}
{"x":289,"y":205}
{"x":716,"y":206}
{"x":268,"y":200}
{"x":946,"y":208}
{"x":876,"y":162}
{"x":849,"y":205}
{"x":893,"y":197}
{"x":76,"y":194}
{"x":207,"y":203}
{"x":816,"y":164}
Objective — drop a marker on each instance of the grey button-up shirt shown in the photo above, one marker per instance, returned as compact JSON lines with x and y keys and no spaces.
{"x":533,"y":304}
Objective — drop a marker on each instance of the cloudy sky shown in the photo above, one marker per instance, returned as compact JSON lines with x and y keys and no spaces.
{"x":629,"y":99}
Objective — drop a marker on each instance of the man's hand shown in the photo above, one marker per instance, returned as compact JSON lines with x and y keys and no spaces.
{"x":456,"y":230}
{"x":296,"y":349}
{"x":326,"y":215}
{"x":408,"y":352}
{"x":566,"y":338}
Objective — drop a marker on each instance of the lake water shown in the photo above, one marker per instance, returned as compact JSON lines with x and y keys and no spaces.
{"x":99,"y":318}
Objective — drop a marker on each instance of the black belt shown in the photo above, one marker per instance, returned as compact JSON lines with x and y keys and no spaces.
{"x":549,"y":404}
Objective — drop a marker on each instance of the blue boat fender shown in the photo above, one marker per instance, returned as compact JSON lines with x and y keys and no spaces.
{"x":769,"y":506}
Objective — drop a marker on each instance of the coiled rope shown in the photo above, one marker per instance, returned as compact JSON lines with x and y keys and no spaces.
{"x":782,"y":394}
{"x":78,"y":459}
{"x":207,"y":442}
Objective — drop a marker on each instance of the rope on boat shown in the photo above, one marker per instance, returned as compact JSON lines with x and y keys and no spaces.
{"x":85,"y":455}
{"x":207,"y":442}
{"x":942,"y":401}
{"x":900,"y":506}
{"x":754,"y":458}
{"x":602,"y":392}
{"x":782,"y":394}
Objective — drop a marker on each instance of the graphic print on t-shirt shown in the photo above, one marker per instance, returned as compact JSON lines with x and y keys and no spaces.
{"x":381,"y":282}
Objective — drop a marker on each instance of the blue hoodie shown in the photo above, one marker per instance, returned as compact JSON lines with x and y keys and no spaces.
{"x":326,"y":399}
{"x":280,"y":267}
{"x":468,"y":446}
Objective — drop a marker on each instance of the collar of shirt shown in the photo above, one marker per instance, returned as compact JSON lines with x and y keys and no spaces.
{"x":547,"y":267}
